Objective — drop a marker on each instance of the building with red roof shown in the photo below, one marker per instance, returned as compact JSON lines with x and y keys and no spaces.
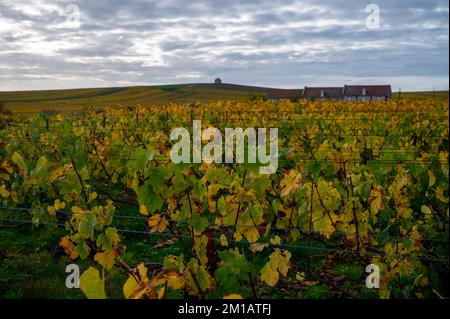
{"x":349,"y":93}
{"x":323,"y":93}
{"x":284,"y":94}
{"x":367,"y":92}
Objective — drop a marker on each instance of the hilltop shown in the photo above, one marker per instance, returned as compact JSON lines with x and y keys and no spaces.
{"x":76,"y":99}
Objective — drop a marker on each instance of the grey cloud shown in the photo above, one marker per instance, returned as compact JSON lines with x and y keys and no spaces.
{"x":274,"y":43}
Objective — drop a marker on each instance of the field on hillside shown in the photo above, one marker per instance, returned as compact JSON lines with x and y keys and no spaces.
{"x":422,"y":95}
{"x":144,"y":96}
{"x":358,"y":185}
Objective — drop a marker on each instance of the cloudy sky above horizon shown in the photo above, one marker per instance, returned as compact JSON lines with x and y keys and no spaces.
{"x":286,"y":43}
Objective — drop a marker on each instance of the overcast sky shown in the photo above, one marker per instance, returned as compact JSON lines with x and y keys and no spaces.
{"x":271,"y":43}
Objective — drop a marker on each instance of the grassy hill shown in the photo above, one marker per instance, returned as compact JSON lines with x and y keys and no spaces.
{"x":78,"y":99}
{"x":423,"y":94}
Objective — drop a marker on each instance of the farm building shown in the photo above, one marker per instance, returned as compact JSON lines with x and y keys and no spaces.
{"x":367,"y":92}
{"x":323,"y":93}
{"x":218,"y":81}
{"x":284,"y":94}
{"x":349,"y":93}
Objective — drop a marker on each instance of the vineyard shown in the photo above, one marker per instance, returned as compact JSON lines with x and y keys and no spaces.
{"x":358,"y":183}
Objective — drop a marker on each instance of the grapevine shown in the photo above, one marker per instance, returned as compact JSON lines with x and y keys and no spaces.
{"x":363,"y":182}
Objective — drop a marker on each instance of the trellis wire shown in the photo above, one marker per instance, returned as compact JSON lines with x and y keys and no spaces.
{"x":143,"y":218}
{"x":330,"y":250}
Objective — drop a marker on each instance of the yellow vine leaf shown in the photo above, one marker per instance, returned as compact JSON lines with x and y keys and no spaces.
{"x":223,"y":240}
{"x":278,"y":264}
{"x":404,"y":212}
{"x":431,"y":178}
{"x":143,"y":210}
{"x":255,"y":247}
{"x":129,"y":286}
{"x":300,"y":276}
{"x":324,"y":226}
{"x":105,"y":259}
{"x":251,"y":233}
{"x":161,"y":292}
{"x":385,"y":293}
{"x":137,"y":290}
{"x":157,"y":223}
{"x":92,"y":284}
{"x":175,"y":280}
{"x":92,"y":196}
{"x":19,"y":161}
{"x":51,"y":210}
{"x":4,"y":192}
{"x":233,"y":296}
{"x":290,"y":183}
{"x":142,"y":271}
{"x":78,"y":213}
{"x":440,"y":194}
{"x":59,"y":204}
{"x":203,"y":280}
{"x":237,"y":236}
{"x":7,"y":167}
{"x":426,"y":210}
{"x":276,"y":240}
{"x":68,"y":247}
{"x":172,"y":204}
{"x":200,"y":248}
{"x":213,"y":189}
{"x":376,"y":200}
{"x":269,"y":275}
